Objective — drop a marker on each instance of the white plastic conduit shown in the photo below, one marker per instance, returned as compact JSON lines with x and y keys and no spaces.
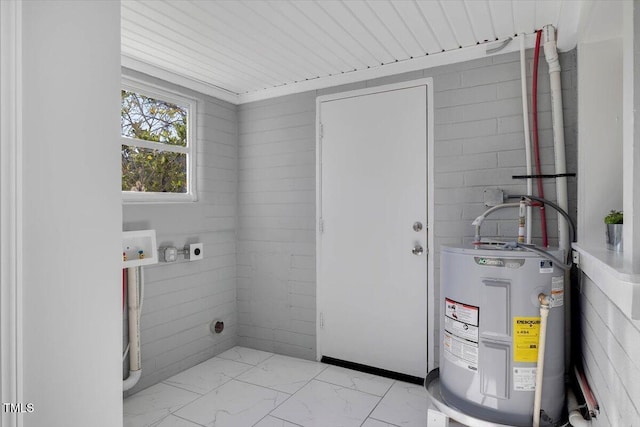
{"x":134,"y":279}
{"x":544,"y":314}
{"x":551,"y":55}
{"x":527,"y":138}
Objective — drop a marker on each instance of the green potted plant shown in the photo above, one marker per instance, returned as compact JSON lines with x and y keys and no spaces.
{"x":614,"y":230}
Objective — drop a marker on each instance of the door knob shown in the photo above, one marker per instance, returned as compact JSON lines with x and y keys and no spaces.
{"x":417,"y":250}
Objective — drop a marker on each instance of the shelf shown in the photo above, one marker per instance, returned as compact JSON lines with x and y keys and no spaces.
{"x":618,"y":279}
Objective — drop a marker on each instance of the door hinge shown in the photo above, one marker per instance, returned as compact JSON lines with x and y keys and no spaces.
{"x":321,"y":225}
{"x":321,"y":320}
{"x":321,"y":130}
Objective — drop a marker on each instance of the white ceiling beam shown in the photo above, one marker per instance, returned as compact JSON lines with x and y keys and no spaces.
{"x":423,"y":62}
{"x":170,"y":76}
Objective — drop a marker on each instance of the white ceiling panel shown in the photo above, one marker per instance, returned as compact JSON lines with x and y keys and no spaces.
{"x":457,"y":17}
{"x":524,"y":16}
{"x":502,"y":17}
{"x":380,"y":31}
{"x":253,"y":49}
{"x":481,"y":20}
{"x":434,"y":15}
{"x":360,"y":32}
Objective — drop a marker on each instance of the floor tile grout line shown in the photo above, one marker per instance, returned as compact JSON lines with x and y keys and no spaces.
{"x":278,"y":418}
{"x":351,"y":388}
{"x":379,"y":401}
{"x":228,"y":360}
{"x":182,"y":388}
{"x":208,"y":391}
{"x":186,"y":419}
{"x":263,"y":386}
{"x":233,"y":360}
{"x":293,"y":394}
{"x":382,"y":421}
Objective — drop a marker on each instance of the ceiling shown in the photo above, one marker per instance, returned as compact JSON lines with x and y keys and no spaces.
{"x":244,"y":50}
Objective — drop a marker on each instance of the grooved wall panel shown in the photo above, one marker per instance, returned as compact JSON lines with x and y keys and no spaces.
{"x":182,"y":298}
{"x":610,"y":353}
{"x":479,"y":143}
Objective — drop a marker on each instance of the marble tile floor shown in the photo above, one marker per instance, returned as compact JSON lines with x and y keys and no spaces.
{"x":243,"y":387}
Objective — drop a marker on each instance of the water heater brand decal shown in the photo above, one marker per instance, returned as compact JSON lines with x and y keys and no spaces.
{"x":526,"y":334}
{"x":461,"y":334}
{"x":499,"y":262}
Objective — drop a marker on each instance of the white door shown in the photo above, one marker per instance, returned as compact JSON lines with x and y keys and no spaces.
{"x":372,"y":189}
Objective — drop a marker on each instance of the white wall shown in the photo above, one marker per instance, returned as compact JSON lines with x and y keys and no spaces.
{"x":600,"y":130}
{"x":607,"y":179}
{"x":71,"y":223}
{"x":182,"y":298}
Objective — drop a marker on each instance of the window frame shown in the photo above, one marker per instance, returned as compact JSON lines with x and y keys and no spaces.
{"x":164,"y":94}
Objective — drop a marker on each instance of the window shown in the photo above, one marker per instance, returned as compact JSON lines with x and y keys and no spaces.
{"x":158,"y":145}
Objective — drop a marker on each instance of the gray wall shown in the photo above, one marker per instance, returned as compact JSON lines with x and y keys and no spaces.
{"x":478,"y":144}
{"x":610,"y":353}
{"x":276,"y":234}
{"x":182,"y":298}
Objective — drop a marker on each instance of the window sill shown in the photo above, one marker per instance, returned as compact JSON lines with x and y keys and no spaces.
{"x":618,"y":279}
{"x":130,"y":197}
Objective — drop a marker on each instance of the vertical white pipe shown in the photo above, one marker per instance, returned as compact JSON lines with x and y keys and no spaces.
{"x":527,"y":137}
{"x":544,"y":314}
{"x":551,"y":56}
{"x":133,"y":302}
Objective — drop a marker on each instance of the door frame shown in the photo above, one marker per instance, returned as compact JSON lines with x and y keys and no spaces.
{"x":428,"y":82}
{"x":11,"y":208}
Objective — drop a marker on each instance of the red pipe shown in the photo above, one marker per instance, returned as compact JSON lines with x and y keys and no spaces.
{"x":536,"y":147}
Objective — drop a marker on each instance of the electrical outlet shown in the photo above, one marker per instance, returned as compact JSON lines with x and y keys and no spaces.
{"x":194,"y":251}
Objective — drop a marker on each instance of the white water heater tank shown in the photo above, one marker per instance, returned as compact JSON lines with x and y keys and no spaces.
{"x":489,"y":328}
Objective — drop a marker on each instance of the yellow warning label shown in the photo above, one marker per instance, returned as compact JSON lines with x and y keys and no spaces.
{"x":526,"y":334}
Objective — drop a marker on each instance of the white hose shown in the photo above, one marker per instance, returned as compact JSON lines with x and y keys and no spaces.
{"x":527,"y":138}
{"x":544,"y":314}
{"x":551,"y":55}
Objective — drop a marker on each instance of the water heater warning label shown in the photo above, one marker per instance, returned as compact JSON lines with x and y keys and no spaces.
{"x":526,"y":334}
{"x":461,"y":312}
{"x":461,"y":334}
